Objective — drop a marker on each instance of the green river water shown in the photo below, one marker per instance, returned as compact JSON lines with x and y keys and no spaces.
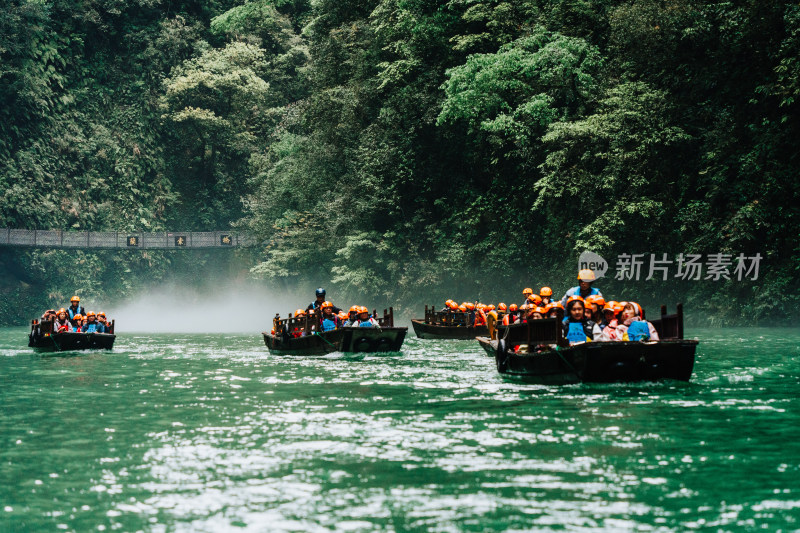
{"x":202,"y":432}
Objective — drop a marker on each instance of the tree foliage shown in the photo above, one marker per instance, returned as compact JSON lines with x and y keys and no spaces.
{"x":406,"y":148}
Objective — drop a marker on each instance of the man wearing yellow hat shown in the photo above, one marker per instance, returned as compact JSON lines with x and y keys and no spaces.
{"x":584,"y":289}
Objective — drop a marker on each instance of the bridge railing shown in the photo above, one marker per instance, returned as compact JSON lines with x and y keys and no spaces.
{"x":128,"y":240}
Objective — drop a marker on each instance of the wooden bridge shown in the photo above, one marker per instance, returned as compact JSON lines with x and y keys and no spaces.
{"x":131,"y":240}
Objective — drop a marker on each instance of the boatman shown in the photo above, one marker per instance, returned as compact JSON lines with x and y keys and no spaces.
{"x":584,"y":288}
{"x":75,"y":308}
{"x":316,"y":305}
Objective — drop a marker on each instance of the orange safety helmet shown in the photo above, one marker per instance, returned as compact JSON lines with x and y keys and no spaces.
{"x":354,"y":309}
{"x":512,"y":308}
{"x":343,"y":316}
{"x":571,"y":302}
{"x":586,"y":275}
{"x":62,"y":310}
{"x":637,"y":309}
{"x":524,"y":307}
{"x":462,"y":308}
{"x":299,"y":312}
{"x":489,"y":307}
{"x":545,"y":291}
{"x":501,"y":306}
{"x":526,"y":291}
{"x":79,"y":317}
{"x":326,"y":304}
{"x":90,"y":313}
{"x":480,"y":306}
{"x":535,"y":298}
{"x":75,"y":299}
{"x":558,"y":305}
{"x":540,"y":310}
{"x":453,"y":304}
{"x":102,"y":314}
{"x":363,"y":309}
{"x":470,"y":306}
{"x":596,"y":300}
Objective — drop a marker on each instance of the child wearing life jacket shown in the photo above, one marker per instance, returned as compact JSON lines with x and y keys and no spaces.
{"x":329,"y":320}
{"x":364,"y":320}
{"x":633,"y":326}
{"x":610,"y":320}
{"x":77,"y":322}
{"x":577,"y":328}
{"x":90,"y":325}
{"x":61,"y":323}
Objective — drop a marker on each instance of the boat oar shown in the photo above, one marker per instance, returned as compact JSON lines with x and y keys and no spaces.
{"x":324,"y":339}
{"x":571,"y":367}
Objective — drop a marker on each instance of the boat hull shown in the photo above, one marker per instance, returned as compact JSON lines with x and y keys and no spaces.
{"x":432,"y":331}
{"x":488,"y":345}
{"x":339,"y":340}
{"x":62,"y":342}
{"x":602,"y":362}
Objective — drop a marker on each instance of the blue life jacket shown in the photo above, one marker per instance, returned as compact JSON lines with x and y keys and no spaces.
{"x":91,"y":328}
{"x":366,"y":324}
{"x":638,"y":331}
{"x":72,"y":312}
{"x":576,"y":291}
{"x":576,"y":333}
{"x":328,"y":324}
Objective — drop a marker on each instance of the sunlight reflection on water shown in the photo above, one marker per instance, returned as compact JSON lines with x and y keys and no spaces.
{"x":210,"y":433}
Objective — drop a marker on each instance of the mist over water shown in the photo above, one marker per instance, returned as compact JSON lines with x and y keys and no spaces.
{"x":229,"y":308}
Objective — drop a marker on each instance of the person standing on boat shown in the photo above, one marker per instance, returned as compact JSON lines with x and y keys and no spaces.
{"x":316,"y":305}
{"x":584,"y":289}
{"x":75,"y":308}
{"x":577,"y":328}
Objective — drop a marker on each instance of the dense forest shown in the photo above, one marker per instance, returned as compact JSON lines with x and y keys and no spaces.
{"x":406,"y":151}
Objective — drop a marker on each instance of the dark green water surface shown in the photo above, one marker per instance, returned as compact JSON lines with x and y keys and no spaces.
{"x":182,"y":432}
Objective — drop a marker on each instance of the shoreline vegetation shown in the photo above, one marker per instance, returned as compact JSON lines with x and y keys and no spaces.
{"x":404,"y":152}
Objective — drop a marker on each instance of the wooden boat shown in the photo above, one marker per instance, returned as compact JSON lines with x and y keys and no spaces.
{"x":446,"y":325}
{"x":314,"y":341}
{"x":43,"y":338}
{"x":545,"y":357}
{"x":488,"y":344}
